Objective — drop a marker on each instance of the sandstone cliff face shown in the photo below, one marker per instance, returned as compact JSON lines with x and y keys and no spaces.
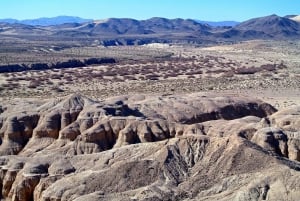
{"x":190,"y":147}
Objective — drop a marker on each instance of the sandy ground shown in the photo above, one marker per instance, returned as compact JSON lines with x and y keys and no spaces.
{"x":280,"y":98}
{"x":191,"y":69}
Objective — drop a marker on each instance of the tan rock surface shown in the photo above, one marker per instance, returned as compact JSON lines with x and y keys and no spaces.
{"x":190,"y":147}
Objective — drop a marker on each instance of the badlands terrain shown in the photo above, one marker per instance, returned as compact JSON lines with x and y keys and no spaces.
{"x":162,"y":118}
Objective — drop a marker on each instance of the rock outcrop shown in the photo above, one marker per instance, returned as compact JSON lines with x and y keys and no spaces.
{"x":190,"y":147}
{"x":72,"y":63}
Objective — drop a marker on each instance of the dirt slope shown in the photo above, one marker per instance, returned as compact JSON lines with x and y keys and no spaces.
{"x":188,"y":147}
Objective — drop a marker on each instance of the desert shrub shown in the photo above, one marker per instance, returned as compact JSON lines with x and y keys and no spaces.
{"x":141,"y":78}
{"x":92,"y":61}
{"x":190,"y":73}
{"x":246,"y":71}
{"x":266,"y":74}
{"x":281,"y":65}
{"x":33,"y":84}
{"x":210,"y":65}
{"x":57,"y":89}
{"x":13,"y":79}
{"x":65,"y":71}
{"x":69,"y":78}
{"x":123,"y":73}
{"x":87,"y":70}
{"x":152,"y":77}
{"x":128,"y":77}
{"x":283,"y":75}
{"x":165,"y":76}
{"x":199,"y":72}
{"x":50,"y":83}
{"x":205,"y":61}
{"x":268,"y":67}
{"x":27,"y":78}
{"x":116,"y":79}
{"x":11,"y":85}
{"x":109,"y":74}
{"x":134,"y":71}
{"x":218,"y":71}
{"x":69,"y":82}
{"x":172,"y":74}
{"x":39,"y":66}
{"x":21,"y":78}
{"x":5,"y":85}
{"x":73,"y":63}
{"x":228,"y":74}
{"x":97,"y":75}
{"x":56,"y":76}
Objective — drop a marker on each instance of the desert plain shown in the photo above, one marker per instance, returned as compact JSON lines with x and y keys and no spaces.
{"x":266,"y":69}
{"x":83,"y":120}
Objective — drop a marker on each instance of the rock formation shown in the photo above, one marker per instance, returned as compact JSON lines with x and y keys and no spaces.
{"x":188,"y":147}
{"x":72,"y":63}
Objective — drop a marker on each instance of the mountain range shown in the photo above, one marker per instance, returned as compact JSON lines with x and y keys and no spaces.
{"x":219,"y":24}
{"x":47,"y":21}
{"x":155,"y":29}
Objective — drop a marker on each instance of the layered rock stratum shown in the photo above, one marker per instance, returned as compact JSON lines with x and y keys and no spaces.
{"x":142,"y":147}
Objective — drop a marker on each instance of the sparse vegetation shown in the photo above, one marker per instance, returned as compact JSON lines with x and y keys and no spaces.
{"x":195,"y":69}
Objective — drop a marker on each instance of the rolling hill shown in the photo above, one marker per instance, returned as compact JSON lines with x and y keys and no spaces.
{"x":45,"y":21}
{"x":156,"y":29}
{"x":272,"y":25}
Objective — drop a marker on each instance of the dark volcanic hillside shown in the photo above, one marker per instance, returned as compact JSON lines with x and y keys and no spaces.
{"x":125,"y":31}
{"x":45,"y":21}
{"x":272,"y":25}
{"x":114,"y":26}
{"x":22,"y":29}
{"x":124,"y":26}
{"x":176,"y":25}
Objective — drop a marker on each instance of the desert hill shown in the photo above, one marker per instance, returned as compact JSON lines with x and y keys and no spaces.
{"x":162,"y":30}
{"x":124,"y":26}
{"x":272,"y":25}
{"x":142,"y":147}
{"x":22,"y":29}
{"x":47,"y":21}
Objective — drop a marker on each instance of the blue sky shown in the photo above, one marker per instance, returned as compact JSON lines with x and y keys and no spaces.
{"x":214,"y":10}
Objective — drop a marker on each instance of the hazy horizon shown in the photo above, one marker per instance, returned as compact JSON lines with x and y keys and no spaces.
{"x":209,"y":10}
{"x":96,"y":19}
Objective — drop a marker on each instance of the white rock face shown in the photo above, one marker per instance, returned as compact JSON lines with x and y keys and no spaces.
{"x":297,"y":18}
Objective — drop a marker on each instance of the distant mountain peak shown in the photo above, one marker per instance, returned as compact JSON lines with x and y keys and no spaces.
{"x":271,"y":25}
{"x":156,"y":28}
{"x":219,"y":23}
{"x":48,"y":21}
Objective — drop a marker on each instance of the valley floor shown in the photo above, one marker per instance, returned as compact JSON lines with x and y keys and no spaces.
{"x":269,"y":70}
{"x":185,"y":126}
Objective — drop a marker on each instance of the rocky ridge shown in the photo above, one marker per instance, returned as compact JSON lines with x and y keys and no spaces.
{"x":138,"y":147}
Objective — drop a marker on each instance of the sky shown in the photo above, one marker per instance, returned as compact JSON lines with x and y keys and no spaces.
{"x":210,"y":10}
